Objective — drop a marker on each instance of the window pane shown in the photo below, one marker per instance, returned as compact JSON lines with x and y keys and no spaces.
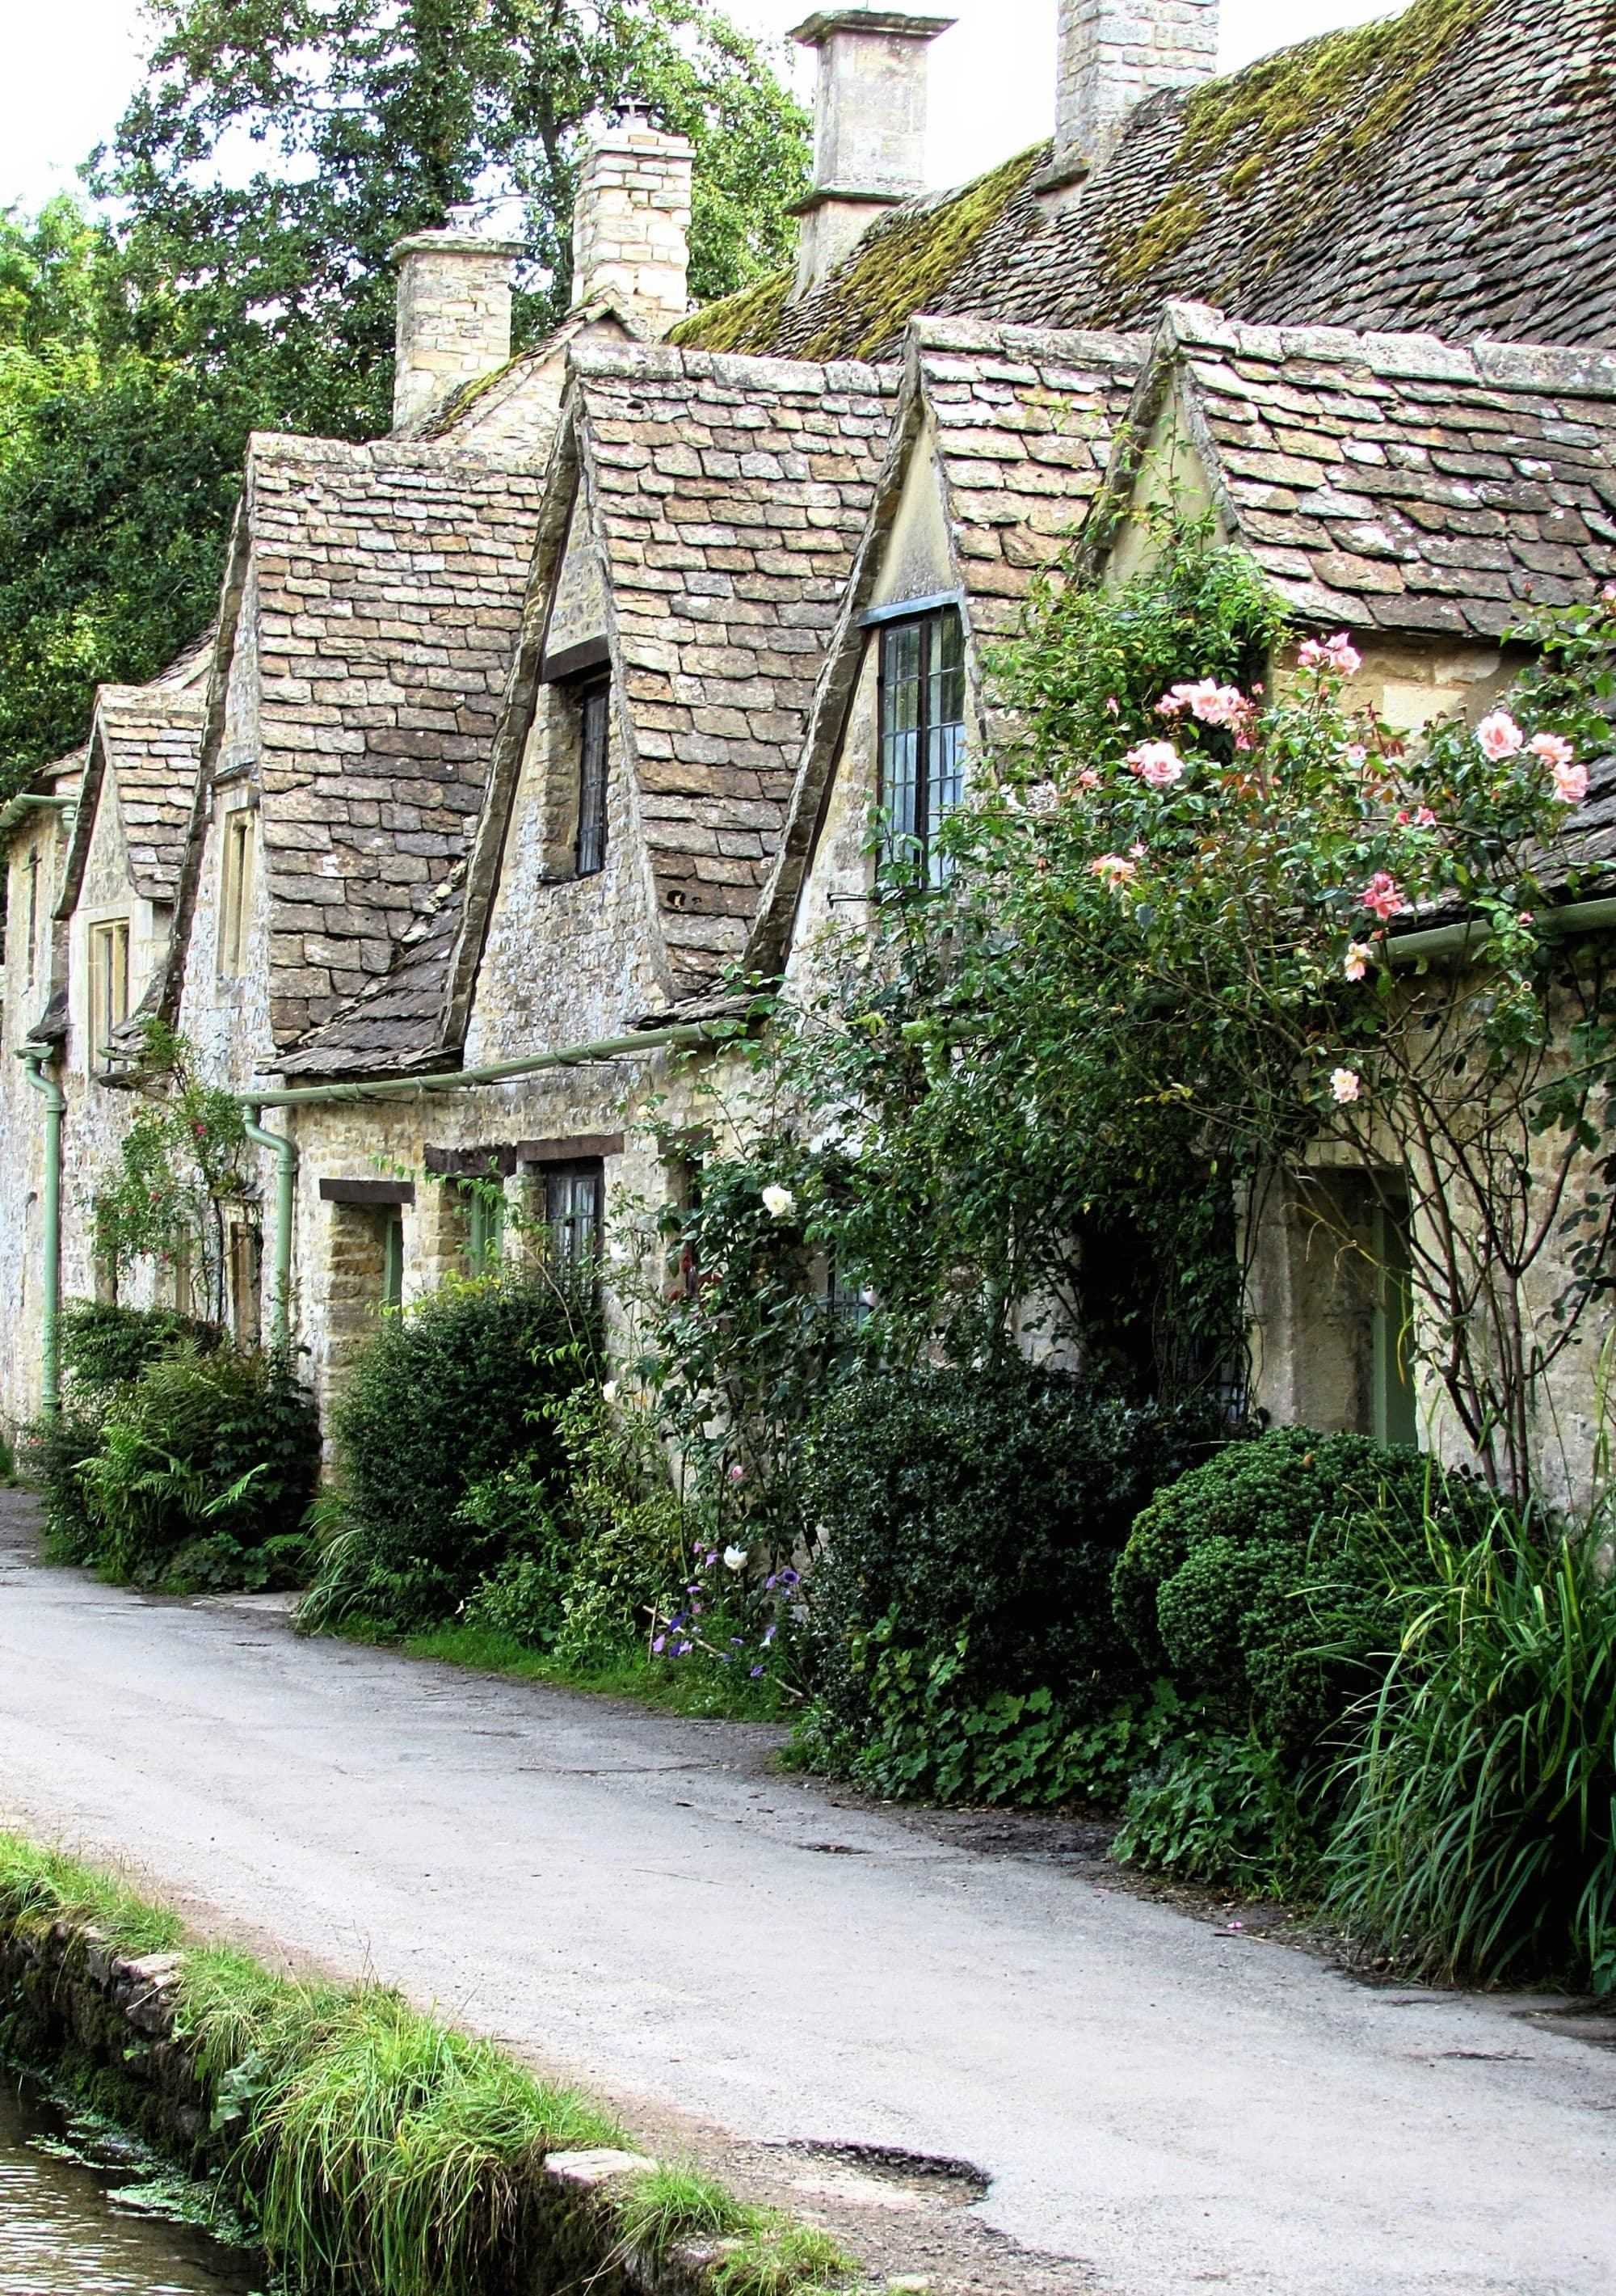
{"x":594,"y":718}
{"x":573,"y":1210}
{"x":945,"y":728}
{"x":902,"y":652}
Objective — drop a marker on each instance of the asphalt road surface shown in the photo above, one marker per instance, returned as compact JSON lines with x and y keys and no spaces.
{"x":647,"y":1902}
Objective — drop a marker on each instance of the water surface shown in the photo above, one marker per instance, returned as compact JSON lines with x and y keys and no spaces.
{"x":64,"y":2231}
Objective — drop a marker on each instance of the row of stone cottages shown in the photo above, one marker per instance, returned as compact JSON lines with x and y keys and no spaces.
{"x":519,"y":728}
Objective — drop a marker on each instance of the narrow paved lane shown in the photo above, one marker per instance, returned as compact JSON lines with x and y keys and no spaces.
{"x":646,"y":1901}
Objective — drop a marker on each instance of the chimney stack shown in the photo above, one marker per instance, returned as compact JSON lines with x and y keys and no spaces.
{"x":631,"y":222}
{"x":869,"y":129}
{"x":1112,"y":55}
{"x":453,"y":315}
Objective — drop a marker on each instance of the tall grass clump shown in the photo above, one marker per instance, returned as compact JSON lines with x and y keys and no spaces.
{"x":1477,"y":1834}
{"x":380,"y":2148}
{"x":39,"y":1887}
{"x":761,"y":2252}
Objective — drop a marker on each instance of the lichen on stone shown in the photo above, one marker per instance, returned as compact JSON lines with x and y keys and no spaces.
{"x":746,"y":321}
{"x":1304,"y":115}
{"x":895,"y":270}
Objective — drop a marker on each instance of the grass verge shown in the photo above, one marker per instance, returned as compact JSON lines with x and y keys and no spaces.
{"x":372,"y":2147}
{"x":669,"y":1686}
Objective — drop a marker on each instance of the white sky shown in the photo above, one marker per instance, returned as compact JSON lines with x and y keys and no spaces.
{"x":66,"y":69}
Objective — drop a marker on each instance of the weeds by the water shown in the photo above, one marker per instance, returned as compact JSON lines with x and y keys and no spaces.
{"x":373,"y":2148}
{"x":40,"y":1886}
{"x":763,"y":2253}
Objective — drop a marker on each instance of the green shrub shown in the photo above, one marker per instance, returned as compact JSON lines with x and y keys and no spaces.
{"x":1477,"y":1835}
{"x":1255,"y":1581}
{"x":54,"y":1449}
{"x":1225,"y":1811}
{"x":202,"y":1472}
{"x":981,"y":1505}
{"x":104,"y":1345}
{"x":445,"y":1398}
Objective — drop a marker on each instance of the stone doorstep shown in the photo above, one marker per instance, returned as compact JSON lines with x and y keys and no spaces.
{"x":577,"y":2184}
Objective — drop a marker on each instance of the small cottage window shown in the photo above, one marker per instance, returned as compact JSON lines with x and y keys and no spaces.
{"x":573,"y":1194}
{"x":235,"y":891}
{"x":593,"y":733}
{"x":486,"y":1236}
{"x":922,"y":736}
{"x":109,"y":984}
{"x":33,"y":914}
{"x":392,"y":1258}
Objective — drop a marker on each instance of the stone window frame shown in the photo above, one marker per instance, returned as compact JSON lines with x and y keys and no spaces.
{"x":238,"y":856}
{"x":917,"y":791}
{"x":107,"y":980}
{"x":575,"y":688}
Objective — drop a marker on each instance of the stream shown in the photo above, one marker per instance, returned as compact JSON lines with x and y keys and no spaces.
{"x":67,"y":2230}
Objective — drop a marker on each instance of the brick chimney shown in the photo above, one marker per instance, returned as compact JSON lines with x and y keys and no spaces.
{"x":631,"y":221}
{"x":1112,"y":55}
{"x":869,"y":129}
{"x":453,"y":315}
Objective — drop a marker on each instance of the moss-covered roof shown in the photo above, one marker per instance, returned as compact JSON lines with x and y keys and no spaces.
{"x":1450,"y":169}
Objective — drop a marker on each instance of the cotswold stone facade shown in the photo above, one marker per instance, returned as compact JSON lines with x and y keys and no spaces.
{"x":521,"y":729}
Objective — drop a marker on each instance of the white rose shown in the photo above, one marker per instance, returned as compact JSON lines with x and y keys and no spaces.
{"x":778,"y":1202}
{"x":609,"y":1392}
{"x":735,"y":1558}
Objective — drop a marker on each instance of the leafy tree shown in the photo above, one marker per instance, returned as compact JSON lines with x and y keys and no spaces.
{"x":374,"y":116}
{"x":136,"y":359}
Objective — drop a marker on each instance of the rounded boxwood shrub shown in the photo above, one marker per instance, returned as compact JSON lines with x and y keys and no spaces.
{"x":986,"y":1504}
{"x":444,"y":1397}
{"x":1254,"y":1581}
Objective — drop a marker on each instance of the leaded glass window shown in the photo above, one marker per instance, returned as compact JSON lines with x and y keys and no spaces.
{"x":923,"y":736}
{"x":594,"y":731}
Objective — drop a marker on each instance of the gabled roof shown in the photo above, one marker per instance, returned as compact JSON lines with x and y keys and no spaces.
{"x":148,"y":737}
{"x":1395,"y":482}
{"x":1023,"y":422}
{"x":513,"y":411}
{"x":1445,"y":170}
{"x":378,"y":591}
{"x":394,"y":1025}
{"x":724,"y":498}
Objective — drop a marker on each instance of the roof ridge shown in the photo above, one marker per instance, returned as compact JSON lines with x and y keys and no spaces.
{"x":1414,"y":355}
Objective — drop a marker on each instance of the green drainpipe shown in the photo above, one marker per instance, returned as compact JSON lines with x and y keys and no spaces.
{"x":286,"y":1165}
{"x":50,"y":1336}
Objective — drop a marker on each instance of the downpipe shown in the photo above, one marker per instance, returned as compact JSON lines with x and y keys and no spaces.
{"x":34,"y":1057}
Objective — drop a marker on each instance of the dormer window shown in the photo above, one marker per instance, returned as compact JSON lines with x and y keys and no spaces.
{"x":593,"y":733}
{"x":922,"y":736}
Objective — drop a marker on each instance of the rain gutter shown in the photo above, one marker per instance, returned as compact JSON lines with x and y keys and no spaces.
{"x":1439,"y":943}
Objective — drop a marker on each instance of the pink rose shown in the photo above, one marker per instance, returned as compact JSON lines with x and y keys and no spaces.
{"x":1345,"y":1085}
{"x":1337,"y":654}
{"x":1570,"y":785}
{"x":1356,"y":962}
{"x":1113,"y":869}
{"x":1384,"y":896}
{"x":1499,"y":735}
{"x":1553,"y":749}
{"x":1157,"y":763}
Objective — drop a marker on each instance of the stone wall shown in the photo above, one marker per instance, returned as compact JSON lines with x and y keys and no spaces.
{"x":37,"y":858}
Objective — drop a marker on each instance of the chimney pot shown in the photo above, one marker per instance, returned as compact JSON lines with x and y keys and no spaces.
{"x":631,"y":221}
{"x":1112,"y":55}
{"x":869,"y":128}
{"x":454,"y":320}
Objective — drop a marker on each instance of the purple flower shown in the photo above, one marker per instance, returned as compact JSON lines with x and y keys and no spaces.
{"x":659,"y":1644}
{"x":768,"y":1634}
{"x":757,"y":1671}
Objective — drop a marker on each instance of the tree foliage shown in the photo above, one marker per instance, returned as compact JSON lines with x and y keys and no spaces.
{"x":260,"y":176}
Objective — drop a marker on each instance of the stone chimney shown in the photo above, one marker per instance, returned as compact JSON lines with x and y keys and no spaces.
{"x":453,"y":315}
{"x":1112,"y":55}
{"x":869,"y":128}
{"x":631,"y":222}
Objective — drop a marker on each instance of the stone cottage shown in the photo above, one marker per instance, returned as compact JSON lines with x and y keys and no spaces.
{"x":519,"y":728}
